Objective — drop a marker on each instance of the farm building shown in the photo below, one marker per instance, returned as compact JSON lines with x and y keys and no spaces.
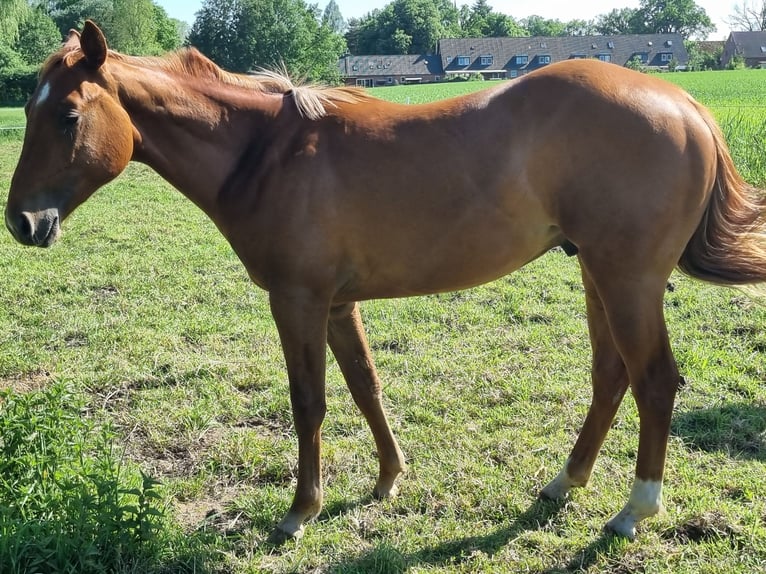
{"x":501,"y":58}
{"x":371,"y":71}
{"x":750,"y":46}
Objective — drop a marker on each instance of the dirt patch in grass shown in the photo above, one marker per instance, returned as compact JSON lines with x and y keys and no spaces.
{"x":704,"y":528}
{"x":26,"y":382}
{"x":216,"y":512}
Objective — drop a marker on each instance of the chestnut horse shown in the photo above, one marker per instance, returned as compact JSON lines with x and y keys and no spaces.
{"x":330,"y":196}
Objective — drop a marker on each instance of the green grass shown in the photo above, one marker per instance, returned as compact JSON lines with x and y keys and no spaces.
{"x":153,"y":353}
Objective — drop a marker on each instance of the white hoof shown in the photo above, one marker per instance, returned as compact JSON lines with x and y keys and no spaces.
{"x":645,"y":501}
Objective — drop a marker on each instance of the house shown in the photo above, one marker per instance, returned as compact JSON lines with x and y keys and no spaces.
{"x":501,"y":58}
{"x":371,"y":71}
{"x":750,"y":46}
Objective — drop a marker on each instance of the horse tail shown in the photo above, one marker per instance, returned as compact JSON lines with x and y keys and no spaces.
{"x":729,"y":245}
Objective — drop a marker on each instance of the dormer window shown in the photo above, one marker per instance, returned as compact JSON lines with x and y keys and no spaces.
{"x":463,"y":60}
{"x":486,"y":60}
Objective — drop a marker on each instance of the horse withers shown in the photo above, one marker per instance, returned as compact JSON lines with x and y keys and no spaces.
{"x":330,"y":197}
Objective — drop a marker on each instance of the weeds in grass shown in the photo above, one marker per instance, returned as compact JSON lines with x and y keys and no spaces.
{"x":68,"y":503}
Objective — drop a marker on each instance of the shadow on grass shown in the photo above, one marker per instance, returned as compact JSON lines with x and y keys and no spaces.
{"x":736,"y":429}
{"x":385,"y":558}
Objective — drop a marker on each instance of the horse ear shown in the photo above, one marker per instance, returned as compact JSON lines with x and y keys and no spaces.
{"x":93,"y":45}
{"x":73,"y":40}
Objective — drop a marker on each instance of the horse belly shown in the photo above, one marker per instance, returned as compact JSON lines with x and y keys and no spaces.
{"x":420,"y":258}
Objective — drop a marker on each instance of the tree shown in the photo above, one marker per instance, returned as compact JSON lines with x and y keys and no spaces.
{"x":425,"y":22}
{"x":133,"y":29}
{"x":69,"y":14}
{"x":749,"y":16}
{"x":481,"y":21}
{"x":539,"y":26}
{"x":704,"y":56}
{"x":168,"y":30}
{"x":618,"y":21}
{"x":332,"y":18}
{"x":241,"y":35}
{"x":38,"y":37}
{"x":580,"y":28}
{"x":12,"y":13}
{"x":683,"y":17}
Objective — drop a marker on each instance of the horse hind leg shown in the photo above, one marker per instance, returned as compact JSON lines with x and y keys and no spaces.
{"x":610,"y":381}
{"x":633,"y":307}
{"x":348,"y":342}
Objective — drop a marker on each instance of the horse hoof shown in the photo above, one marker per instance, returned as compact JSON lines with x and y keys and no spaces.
{"x":380,"y":492}
{"x":278,"y":537}
{"x":553,"y":492}
{"x":622,"y":525}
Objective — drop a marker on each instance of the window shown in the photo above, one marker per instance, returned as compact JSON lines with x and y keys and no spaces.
{"x":355,"y":68}
{"x":666,"y":57}
{"x":577,"y":56}
{"x":610,"y":45}
{"x":514,"y":73}
{"x":669,"y":43}
{"x":605,"y":57}
{"x":544,"y":59}
{"x":463,"y":60}
{"x":486,"y":60}
{"x":522,"y":59}
{"x":763,"y":49}
{"x":642,"y":57}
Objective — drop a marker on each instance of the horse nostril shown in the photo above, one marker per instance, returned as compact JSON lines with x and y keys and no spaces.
{"x":25,"y":229}
{"x":20,"y":226}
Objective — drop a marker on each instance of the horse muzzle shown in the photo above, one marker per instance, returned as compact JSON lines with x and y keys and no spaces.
{"x":38,"y":229}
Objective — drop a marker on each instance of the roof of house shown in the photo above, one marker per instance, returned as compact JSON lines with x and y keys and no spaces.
{"x":500,"y":54}
{"x":750,"y":44}
{"x":413,"y":65}
{"x":621,"y":50}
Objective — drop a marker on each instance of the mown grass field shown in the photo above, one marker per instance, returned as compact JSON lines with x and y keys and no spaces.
{"x":137,"y":344}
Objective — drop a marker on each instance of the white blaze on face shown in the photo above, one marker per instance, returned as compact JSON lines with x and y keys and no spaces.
{"x":45,"y":91}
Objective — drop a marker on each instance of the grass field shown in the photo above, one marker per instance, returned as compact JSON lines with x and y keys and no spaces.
{"x":145,"y":422}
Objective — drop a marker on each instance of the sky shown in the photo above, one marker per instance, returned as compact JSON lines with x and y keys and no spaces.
{"x":564,"y":10}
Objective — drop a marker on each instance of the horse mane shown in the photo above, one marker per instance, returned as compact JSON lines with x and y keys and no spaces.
{"x":311,"y":100}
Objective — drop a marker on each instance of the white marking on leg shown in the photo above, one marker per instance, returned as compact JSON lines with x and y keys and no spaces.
{"x":45,"y":91}
{"x":645,"y":501}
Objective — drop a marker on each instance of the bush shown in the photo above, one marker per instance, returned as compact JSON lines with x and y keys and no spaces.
{"x":17,"y":84}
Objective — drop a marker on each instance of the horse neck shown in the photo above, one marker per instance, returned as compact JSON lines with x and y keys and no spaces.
{"x":191,"y":132}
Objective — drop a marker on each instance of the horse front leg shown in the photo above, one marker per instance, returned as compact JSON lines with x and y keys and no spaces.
{"x":349,"y":345}
{"x":302,"y":324}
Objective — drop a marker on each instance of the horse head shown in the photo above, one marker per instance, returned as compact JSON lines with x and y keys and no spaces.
{"x":78,"y":138}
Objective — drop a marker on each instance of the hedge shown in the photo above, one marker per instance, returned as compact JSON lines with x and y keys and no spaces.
{"x":17,"y":85}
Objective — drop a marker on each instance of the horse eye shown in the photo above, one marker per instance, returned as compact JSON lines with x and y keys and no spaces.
{"x":69,"y":120}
